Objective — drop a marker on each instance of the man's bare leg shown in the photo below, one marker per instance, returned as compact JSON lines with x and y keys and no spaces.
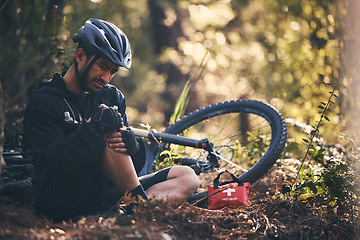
{"x":119,"y":169}
{"x":182,"y":182}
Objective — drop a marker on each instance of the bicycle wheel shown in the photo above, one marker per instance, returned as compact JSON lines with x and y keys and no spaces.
{"x":247,"y":136}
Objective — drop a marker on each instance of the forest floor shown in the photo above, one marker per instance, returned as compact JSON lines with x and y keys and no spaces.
{"x":265,"y":218}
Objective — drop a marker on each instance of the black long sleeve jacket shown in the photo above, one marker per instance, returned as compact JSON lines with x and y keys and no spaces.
{"x":56,"y":131}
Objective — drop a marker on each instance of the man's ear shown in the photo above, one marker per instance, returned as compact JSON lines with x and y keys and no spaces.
{"x":80,"y":55}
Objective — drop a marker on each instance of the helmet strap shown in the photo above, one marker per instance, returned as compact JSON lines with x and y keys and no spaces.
{"x":81,"y":78}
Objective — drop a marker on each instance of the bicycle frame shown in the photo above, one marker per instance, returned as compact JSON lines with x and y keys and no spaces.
{"x":171,"y":138}
{"x":159,"y":138}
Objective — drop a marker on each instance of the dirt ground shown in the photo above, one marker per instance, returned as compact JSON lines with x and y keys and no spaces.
{"x":265,"y":218}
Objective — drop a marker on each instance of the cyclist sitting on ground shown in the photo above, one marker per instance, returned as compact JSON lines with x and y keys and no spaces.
{"x":85,"y":159}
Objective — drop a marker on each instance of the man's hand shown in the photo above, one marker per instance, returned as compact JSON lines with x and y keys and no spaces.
{"x":123,"y":141}
{"x":106,"y":119}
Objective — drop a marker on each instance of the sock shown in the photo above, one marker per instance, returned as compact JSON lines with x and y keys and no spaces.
{"x":139,"y":191}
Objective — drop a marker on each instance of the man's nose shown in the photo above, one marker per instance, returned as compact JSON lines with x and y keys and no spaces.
{"x":106,"y":77}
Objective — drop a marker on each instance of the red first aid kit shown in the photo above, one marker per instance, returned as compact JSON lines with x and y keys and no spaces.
{"x":228,"y":194}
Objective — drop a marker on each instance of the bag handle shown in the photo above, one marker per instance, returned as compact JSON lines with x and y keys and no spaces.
{"x":234,"y":179}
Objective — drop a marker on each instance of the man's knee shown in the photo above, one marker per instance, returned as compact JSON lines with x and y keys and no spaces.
{"x":186,"y":176}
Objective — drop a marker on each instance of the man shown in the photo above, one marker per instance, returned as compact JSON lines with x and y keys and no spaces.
{"x":84,"y":157}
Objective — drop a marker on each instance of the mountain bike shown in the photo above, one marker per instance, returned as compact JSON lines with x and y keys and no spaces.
{"x":245,"y":136}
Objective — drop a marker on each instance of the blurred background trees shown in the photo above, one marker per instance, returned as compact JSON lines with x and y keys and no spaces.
{"x":281,"y":52}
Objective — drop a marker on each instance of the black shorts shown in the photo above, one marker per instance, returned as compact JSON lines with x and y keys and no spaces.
{"x":154,"y":178}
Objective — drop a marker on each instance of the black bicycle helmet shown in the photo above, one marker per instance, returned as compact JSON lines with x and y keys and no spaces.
{"x":105,"y":39}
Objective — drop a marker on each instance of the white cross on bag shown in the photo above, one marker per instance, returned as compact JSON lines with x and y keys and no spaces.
{"x":228,"y":191}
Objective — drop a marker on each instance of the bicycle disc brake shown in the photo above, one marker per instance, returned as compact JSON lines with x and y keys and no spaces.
{"x":215,"y":158}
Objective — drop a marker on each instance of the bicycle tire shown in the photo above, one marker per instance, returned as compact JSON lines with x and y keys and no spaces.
{"x":237,"y":109}
{"x":16,"y":176}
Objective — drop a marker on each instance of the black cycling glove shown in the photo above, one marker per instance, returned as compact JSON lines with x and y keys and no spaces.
{"x":129,"y":139}
{"x":106,"y":119}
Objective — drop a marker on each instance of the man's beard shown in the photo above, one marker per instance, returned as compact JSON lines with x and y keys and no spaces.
{"x":87,"y":88}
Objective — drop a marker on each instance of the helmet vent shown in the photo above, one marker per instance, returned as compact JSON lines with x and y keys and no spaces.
{"x":112,"y":42}
{"x":98,"y":41}
{"x":97,"y":24}
{"x":124,"y":47}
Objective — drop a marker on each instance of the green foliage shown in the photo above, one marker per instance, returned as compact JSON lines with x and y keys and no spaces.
{"x":168,"y":158}
{"x":281,"y":52}
{"x":331,"y":177}
{"x":330,"y":181}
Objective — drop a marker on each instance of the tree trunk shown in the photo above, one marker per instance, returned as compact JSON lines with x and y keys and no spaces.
{"x":9,"y":23}
{"x":18,"y":31}
{"x":166,"y":36}
{"x":12,"y":75}
{"x":350,"y":36}
{"x":2,"y":123}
